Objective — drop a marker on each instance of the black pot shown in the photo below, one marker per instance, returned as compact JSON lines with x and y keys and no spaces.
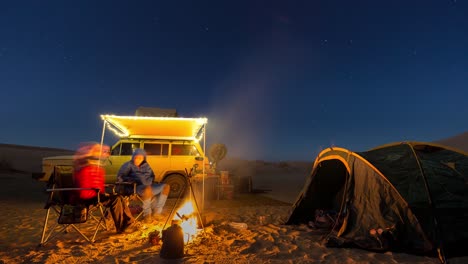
{"x":173,"y":242}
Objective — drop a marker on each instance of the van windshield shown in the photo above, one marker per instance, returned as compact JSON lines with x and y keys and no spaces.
{"x":124,"y":148}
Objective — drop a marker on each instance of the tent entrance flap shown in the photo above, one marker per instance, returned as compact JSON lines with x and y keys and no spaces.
{"x":325,"y":192}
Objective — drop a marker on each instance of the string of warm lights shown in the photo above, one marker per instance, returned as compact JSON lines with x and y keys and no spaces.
{"x":201,"y":136}
{"x":200,"y":120}
{"x":116,"y":124}
{"x":118,"y":133}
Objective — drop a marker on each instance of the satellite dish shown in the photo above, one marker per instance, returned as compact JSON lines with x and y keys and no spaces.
{"x":217,"y":152}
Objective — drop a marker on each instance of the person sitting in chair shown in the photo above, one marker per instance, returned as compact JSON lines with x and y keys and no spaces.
{"x":88,"y":173}
{"x":154,"y":195}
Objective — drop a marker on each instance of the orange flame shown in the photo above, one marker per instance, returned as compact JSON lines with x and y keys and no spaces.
{"x":189,"y":221}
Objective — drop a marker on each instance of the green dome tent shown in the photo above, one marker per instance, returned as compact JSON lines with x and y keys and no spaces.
{"x":415,"y":194}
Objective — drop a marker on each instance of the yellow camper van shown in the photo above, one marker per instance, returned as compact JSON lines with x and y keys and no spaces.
{"x":172,"y":145}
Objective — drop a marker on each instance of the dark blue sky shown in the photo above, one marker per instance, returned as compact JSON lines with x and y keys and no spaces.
{"x":277,"y":80}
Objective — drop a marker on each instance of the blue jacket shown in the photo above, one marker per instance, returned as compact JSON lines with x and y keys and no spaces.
{"x":129,"y":172}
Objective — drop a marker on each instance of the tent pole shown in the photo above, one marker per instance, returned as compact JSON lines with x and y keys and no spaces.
{"x":440,"y":248}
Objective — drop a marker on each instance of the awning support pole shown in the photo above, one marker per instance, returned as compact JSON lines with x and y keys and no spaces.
{"x":102,"y":140}
{"x":103,"y":131}
{"x":204,"y":164}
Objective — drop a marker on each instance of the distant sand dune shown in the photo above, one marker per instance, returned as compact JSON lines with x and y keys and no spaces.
{"x":459,"y":141}
{"x":27,"y":158}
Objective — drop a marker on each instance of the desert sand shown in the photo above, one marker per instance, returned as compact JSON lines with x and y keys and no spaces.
{"x":22,"y":200}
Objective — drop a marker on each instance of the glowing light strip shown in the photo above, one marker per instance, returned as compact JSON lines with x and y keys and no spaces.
{"x":125,"y":133}
{"x":161,"y":137}
{"x":201,"y":136}
{"x":200,"y":121}
{"x":116,"y":132}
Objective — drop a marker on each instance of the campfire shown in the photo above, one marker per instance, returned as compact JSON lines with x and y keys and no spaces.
{"x":187,"y":215}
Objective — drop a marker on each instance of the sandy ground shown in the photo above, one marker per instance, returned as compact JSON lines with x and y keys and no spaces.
{"x":21,"y":221}
{"x":268,"y":242}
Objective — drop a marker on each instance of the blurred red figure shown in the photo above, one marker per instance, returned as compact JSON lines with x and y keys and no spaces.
{"x":88,"y":173}
{"x":88,"y":170}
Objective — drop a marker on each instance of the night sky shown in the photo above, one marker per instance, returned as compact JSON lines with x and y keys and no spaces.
{"x":277,"y":80}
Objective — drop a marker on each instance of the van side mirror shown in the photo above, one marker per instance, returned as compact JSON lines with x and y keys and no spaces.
{"x":199,"y":158}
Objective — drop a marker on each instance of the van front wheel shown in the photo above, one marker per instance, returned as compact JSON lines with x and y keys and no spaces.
{"x":177,"y":183}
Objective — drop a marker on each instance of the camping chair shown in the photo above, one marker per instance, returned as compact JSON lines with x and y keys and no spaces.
{"x":133,"y":199}
{"x":69,"y":212}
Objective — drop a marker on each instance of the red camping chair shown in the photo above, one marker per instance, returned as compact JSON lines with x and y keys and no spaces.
{"x":71,"y":213}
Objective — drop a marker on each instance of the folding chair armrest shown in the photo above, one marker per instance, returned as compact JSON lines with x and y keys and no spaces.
{"x":97,"y":190}
{"x":127,"y":184}
{"x":55,"y":190}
